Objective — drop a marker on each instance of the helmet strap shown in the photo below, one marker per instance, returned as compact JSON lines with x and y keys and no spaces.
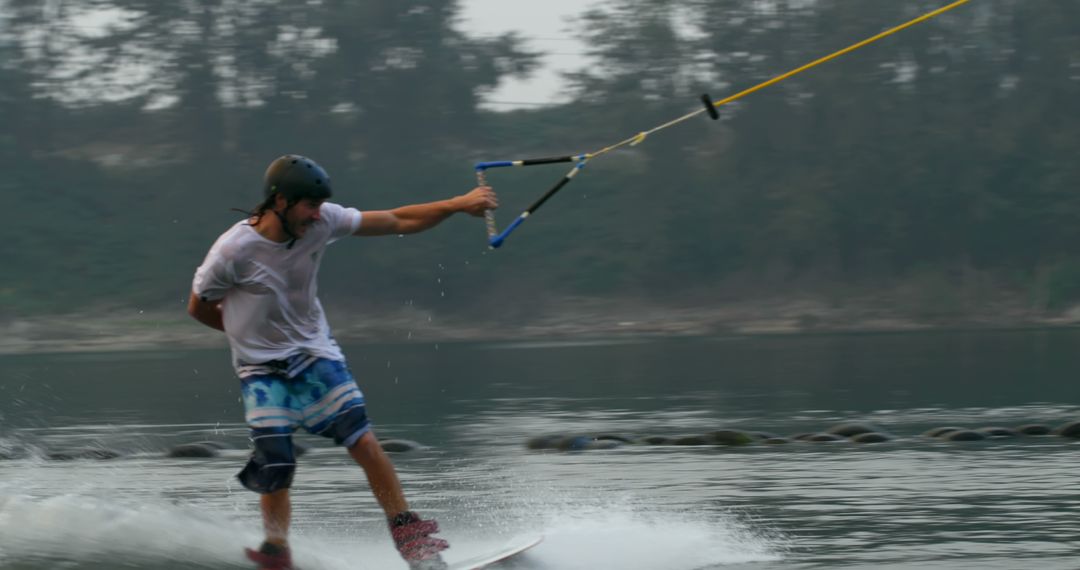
{"x":285,"y":224}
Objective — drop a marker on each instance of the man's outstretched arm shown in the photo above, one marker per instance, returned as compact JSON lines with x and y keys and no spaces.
{"x":419,"y":217}
{"x":206,"y":312}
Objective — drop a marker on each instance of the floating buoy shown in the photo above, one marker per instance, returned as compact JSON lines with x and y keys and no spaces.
{"x":691,"y":440}
{"x":1071,"y":429}
{"x":730,"y":437}
{"x":825,"y":438}
{"x":399,"y":445}
{"x":999,"y":431}
{"x":964,"y":435}
{"x":1034,"y":429}
{"x":200,"y":449}
{"x":852,"y":430}
{"x":871,"y":437}
{"x":940,"y":431}
{"x":85,"y":453}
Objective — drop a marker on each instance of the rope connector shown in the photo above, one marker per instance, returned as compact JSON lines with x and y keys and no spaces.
{"x":639,"y":138}
{"x":709,"y":106}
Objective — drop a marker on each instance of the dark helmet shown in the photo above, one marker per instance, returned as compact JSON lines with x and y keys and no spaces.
{"x":296,"y":177}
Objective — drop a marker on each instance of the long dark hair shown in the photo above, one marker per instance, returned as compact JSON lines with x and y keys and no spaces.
{"x":259,"y":210}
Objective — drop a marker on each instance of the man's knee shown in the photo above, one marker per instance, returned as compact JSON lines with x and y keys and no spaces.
{"x":348,"y":428}
{"x":368,"y":437}
{"x":366,"y":443}
{"x":272,"y":463}
{"x":367,"y":451}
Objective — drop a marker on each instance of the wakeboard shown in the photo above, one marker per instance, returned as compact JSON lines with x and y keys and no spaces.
{"x":510,"y":549}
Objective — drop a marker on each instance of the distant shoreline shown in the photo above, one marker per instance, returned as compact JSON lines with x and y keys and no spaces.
{"x":574,"y":320}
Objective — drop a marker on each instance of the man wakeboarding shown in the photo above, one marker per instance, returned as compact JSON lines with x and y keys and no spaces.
{"x":258,"y":285}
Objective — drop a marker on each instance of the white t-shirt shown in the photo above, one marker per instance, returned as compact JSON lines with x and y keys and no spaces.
{"x":270,"y":305}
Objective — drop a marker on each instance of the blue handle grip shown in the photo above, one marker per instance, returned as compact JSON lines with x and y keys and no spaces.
{"x":493,"y":164}
{"x":498,"y":240}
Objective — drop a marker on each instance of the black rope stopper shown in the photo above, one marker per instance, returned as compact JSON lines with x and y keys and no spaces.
{"x":709,"y":106}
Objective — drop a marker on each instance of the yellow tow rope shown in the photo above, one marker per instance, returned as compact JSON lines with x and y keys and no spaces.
{"x":640,"y":137}
{"x":496,"y":238}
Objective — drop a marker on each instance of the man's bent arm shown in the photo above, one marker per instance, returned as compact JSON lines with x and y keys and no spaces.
{"x":206,"y":312}
{"x":419,"y":217}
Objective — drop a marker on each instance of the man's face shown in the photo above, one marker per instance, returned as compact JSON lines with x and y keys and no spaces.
{"x":302,"y":215}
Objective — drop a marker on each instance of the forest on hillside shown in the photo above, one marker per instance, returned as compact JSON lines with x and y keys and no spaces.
{"x":941,"y":162}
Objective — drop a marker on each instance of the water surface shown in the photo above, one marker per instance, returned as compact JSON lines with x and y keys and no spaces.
{"x":910,"y":503}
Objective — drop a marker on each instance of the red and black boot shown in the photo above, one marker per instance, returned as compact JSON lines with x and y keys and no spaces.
{"x":271,"y":556}
{"x":412,"y":536}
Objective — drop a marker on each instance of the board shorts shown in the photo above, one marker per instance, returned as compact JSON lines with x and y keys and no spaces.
{"x":323,"y":399}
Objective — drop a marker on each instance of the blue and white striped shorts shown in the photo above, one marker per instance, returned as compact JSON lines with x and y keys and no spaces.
{"x":323,"y":399}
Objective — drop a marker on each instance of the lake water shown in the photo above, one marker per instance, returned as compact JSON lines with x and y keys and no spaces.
{"x":912,"y":503}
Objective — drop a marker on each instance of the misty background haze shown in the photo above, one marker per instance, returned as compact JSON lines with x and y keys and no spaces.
{"x":931,"y":176}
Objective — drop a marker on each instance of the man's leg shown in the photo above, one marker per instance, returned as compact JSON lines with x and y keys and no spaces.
{"x":274,"y":553}
{"x":269,"y":471}
{"x":411,"y":534}
{"x":276,"y":511}
{"x":338,"y":403}
{"x":380,"y":474}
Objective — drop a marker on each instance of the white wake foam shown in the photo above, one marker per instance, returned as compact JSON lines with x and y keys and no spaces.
{"x":630,"y":540}
{"x":83,"y":529}
{"x":92,"y":531}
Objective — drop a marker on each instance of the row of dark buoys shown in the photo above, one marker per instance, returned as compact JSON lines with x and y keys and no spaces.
{"x":198,"y":449}
{"x":213,"y":448}
{"x":83,"y":453}
{"x":400,"y":445}
{"x":952,"y":433}
{"x":70,"y":454}
{"x":848,"y":432}
{"x":201,"y":449}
